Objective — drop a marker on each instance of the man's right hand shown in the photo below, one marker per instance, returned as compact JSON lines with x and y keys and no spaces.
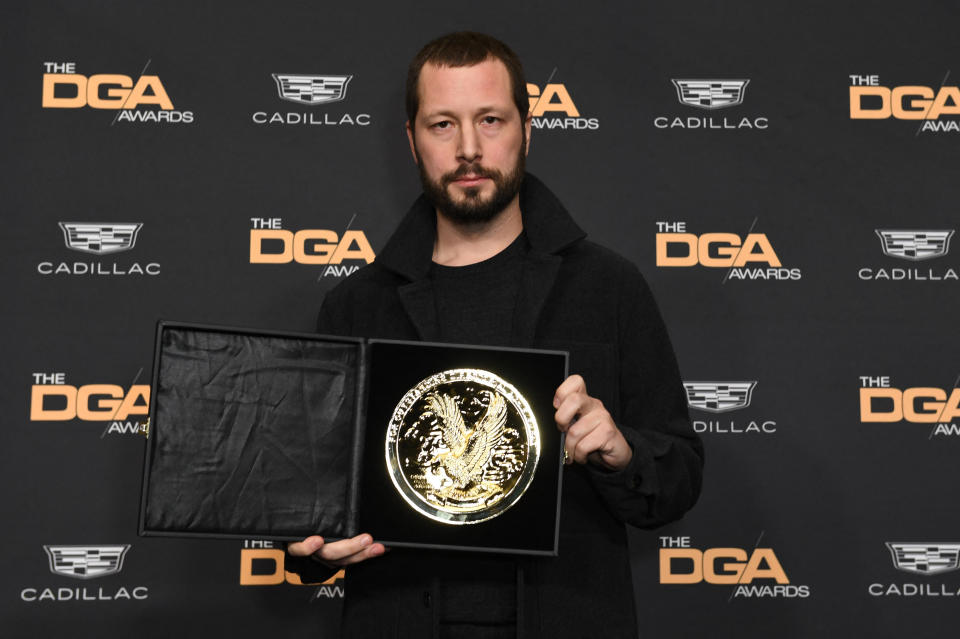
{"x":337,"y":553}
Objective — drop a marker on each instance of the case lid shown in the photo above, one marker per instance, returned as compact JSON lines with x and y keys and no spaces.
{"x":251,"y":433}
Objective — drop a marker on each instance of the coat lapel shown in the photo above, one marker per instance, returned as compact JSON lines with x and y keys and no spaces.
{"x":549,"y":230}
{"x":418,"y":300}
{"x":536,"y":282}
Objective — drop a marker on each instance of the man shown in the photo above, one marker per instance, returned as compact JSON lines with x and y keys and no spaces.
{"x":488,"y":255}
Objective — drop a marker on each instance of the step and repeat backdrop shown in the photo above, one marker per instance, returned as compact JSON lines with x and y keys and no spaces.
{"x":784,"y":176}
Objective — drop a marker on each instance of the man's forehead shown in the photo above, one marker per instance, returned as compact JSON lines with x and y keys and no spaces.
{"x":447,"y":88}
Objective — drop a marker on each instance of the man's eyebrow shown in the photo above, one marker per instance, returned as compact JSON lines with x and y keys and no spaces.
{"x":452,"y":114}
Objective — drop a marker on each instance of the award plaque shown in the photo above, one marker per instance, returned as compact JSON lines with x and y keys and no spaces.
{"x":271,"y":435}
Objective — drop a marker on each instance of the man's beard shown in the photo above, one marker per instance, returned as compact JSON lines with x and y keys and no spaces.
{"x":473,"y":209}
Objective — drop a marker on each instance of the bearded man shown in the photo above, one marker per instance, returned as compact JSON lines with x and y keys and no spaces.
{"x":488,"y":255}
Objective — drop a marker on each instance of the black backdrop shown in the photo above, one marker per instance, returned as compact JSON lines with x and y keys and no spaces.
{"x":799,"y":469}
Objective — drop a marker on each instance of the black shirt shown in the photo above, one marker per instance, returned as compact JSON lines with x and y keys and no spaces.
{"x":475,"y":305}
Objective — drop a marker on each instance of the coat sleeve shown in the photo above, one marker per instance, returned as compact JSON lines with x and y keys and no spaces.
{"x":309,"y":570}
{"x":662,"y":480}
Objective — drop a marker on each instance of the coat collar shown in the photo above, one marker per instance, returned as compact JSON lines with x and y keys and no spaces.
{"x":549,"y":229}
{"x":548,"y":225}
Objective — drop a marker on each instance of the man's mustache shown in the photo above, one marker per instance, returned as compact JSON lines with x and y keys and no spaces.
{"x":476,"y":170}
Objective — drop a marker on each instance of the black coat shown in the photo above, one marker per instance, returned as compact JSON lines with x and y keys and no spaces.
{"x":575,"y":296}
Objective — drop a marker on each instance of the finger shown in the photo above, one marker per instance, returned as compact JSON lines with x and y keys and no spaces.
{"x":572,"y":384}
{"x":574,"y":404}
{"x":306,"y":547}
{"x":373,"y":550}
{"x":575,"y":433}
{"x":577,"y":407}
{"x":568,"y":445}
{"x":580,"y":429}
{"x":337,"y":550}
{"x":594,"y":441}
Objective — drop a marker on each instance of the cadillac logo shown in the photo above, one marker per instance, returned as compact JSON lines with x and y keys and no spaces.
{"x":100,"y":239}
{"x":462,"y":446}
{"x":86,"y":562}
{"x":925,"y":559}
{"x":312,"y":89}
{"x":710,"y":94}
{"x":915,"y":245}
{"x":719,"y":397}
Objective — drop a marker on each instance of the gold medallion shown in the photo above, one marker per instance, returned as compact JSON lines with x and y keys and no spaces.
{"x":462,"y":446}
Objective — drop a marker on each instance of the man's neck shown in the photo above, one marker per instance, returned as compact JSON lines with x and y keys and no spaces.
{"x":462,"y":244}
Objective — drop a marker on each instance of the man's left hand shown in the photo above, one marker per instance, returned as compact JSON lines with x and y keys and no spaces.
{"x":591,"y":434}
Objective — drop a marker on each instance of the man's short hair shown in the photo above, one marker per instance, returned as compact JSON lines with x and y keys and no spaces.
{"x":465,"y":49}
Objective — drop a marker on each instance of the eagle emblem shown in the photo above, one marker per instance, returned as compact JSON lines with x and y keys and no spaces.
{"x":462,"y":446}
{"x":457,"y":470}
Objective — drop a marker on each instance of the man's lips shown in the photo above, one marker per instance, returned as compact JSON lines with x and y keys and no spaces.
{"x":469,"y":180}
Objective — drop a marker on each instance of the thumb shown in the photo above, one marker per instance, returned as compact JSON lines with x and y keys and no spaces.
{"x":306,"y":547}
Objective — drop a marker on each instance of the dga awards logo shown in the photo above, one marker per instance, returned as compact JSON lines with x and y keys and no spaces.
{"x":262,"y":564}
{"x":552,"y":108}
{"x":710,"y":95}
{"x":926,"y":560}
{"x":725,"y":397}
{"x":340,"y":255}
{"x":123,"y":411}
{"x":144,"y":100}
{"x":748,"y":257}
{"x":100,"y":239}
{"x":912,"y":246}
{"x":935,"y":107}
{"x":882,"y":403}
{"x":752,"y":573}
{"x":85,"y":562}
{"x":311,"y":91}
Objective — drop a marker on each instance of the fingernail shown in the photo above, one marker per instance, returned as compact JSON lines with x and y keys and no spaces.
{"x":365,"y":540}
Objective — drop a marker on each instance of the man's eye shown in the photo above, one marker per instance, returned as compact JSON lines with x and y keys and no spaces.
{"x":491,"y":119}
{"x":441,"y":125}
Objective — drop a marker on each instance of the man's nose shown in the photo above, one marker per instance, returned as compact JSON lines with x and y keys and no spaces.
{"x":469,"y":145}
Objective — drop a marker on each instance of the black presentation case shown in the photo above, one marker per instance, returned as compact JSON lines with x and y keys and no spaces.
{"x":259,"y":434}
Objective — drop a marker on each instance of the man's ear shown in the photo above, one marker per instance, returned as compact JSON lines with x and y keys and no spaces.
{"x":413,"y":146}
{"x":528,"y":128}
